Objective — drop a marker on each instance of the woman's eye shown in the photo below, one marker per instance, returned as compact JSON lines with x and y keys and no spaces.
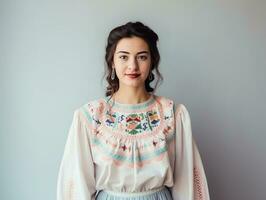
{"x":143,"y":57}
{"x":123,"y":57}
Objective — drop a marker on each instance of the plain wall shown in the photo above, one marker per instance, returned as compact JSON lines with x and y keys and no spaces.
{"x":212,"y":61}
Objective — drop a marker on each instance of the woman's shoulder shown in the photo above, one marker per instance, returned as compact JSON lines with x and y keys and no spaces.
{"x":90,"y":107}
{"x":178,"y":109}
{"x":93,"y":104}
{"x":165,"y":100}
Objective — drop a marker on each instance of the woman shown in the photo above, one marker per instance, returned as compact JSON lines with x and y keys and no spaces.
{"x":131,"y":143}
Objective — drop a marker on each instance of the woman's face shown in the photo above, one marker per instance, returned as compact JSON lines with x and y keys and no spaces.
{"x":132,"y":61}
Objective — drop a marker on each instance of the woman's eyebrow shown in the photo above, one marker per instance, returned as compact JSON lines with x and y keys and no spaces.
{"x":128,"y":52}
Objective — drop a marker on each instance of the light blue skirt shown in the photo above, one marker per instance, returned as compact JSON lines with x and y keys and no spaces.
{"x":162,"y":193}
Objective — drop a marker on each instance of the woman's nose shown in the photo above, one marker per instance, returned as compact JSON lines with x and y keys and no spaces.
{"x":133,"y":64}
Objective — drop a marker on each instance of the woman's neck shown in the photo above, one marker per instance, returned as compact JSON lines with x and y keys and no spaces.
{"x":131,"y":96}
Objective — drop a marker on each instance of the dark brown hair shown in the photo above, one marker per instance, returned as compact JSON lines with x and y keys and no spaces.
{"x":129,"y":30}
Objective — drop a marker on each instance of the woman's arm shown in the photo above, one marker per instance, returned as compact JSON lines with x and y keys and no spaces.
{"x":190,"y":182}
{"x":76,"y":178}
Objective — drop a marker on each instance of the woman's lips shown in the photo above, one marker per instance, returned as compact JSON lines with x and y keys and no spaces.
{"x":132,"y":75}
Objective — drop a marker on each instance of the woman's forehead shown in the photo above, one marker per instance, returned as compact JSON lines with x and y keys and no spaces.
{"x":132,"y":45}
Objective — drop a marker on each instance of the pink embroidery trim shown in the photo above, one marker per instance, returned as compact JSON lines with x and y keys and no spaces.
{"x":129,"y":165}
{"x":198,"y":184}
{"x":126,"y":149}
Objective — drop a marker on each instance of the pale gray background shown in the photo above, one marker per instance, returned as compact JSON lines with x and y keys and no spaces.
{"x":213,"y":61}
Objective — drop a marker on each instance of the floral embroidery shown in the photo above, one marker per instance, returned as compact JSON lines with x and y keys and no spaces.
{"x":111,"y":119}
{"x":154,"y":118}
{"x":131,"y":138}
{"x":133,"y":123}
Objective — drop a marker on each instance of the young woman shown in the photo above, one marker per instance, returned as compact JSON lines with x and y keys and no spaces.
{"x":131,"y":144}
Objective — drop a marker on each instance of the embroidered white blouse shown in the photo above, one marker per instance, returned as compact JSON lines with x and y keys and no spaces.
{"x":131,"y":148}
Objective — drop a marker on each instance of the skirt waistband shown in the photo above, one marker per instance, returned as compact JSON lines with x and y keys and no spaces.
{"x":131,"y":194}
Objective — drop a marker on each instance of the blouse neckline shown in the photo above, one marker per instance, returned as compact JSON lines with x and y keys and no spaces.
{"x":126,"y":106}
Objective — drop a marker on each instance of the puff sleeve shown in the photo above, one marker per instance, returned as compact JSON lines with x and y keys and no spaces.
{"x":76,"y":177}
{"x":190,"y":182}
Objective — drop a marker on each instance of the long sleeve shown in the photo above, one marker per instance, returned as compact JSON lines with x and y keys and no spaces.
{"x":76,"y":177}
{"x":190,"y":182}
